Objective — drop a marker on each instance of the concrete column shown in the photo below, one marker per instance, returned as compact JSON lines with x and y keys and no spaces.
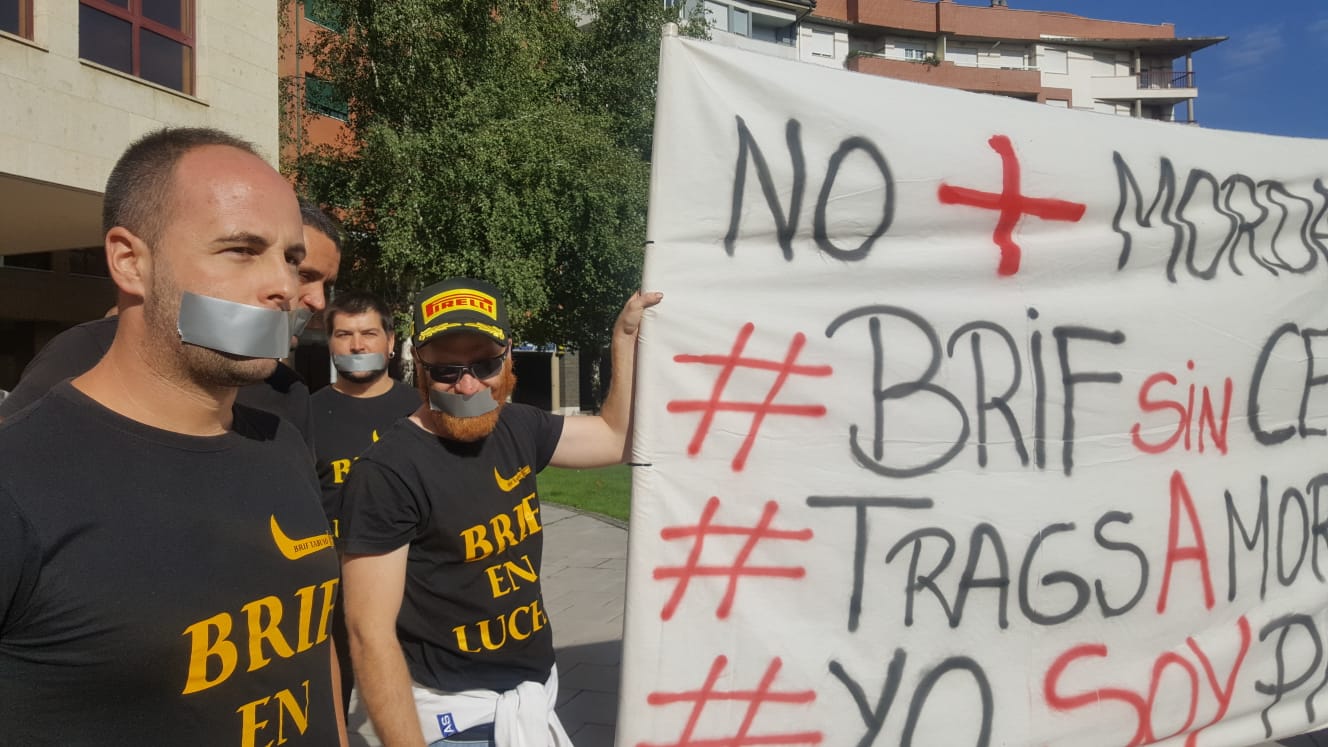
{"x":555,"y":384}
{"x":1137,"y":110}
{"x":1189,"y":103}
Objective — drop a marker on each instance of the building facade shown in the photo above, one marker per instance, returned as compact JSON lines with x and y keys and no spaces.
{"x":1058,"y":59}
{"x":80,"y":80}
{"x":314,"y":116}
{"x":314,"y":113}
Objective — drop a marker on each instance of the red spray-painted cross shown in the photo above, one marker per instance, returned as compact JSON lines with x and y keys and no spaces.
{"x":1011,"y":203}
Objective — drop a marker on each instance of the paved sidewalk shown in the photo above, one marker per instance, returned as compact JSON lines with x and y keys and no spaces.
{"x":584,"y":575}
{"x":585,"y":578}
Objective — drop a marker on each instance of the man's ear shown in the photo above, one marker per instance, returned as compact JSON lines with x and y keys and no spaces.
{"x":129,"y":260}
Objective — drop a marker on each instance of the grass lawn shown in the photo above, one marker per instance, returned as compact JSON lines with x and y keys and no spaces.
{"x":606,"y":490}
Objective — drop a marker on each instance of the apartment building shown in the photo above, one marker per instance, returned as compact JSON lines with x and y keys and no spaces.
{"x":779,"y":28}
{"x":81,"y":79}
{"x":314,"y":112}
{"x":1058,"y":59}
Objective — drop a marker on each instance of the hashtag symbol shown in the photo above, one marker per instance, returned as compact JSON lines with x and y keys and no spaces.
{"x":729,"y":363}
{"x":754,"y":699}
{"x":738,"y":568}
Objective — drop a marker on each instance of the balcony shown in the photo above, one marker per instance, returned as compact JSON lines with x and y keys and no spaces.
{"x":784,"y":50}
{"x":1154,"y":79}
{"x":1008,"y":82}
{"x":1152,"y":85}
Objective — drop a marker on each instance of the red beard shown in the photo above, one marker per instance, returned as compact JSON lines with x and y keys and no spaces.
{"x":471,"y":429}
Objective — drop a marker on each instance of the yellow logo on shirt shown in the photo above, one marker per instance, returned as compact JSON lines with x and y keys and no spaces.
{"x":508,"y":484}
{"x":258,"y":634}
{"x":294,"y":549}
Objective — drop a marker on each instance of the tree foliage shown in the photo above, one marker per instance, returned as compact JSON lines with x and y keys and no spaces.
{"x":496,"y":139}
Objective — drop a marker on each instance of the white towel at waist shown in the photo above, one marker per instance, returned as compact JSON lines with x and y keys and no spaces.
{"x":521,"y":717}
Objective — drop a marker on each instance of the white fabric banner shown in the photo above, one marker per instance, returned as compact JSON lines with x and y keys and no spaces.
{"x":973,"y":422}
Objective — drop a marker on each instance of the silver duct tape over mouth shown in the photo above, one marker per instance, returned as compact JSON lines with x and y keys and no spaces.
{"x":299,"y":319}
{"x":360,"y":362}
{"x":235,"y":328}
{"x":462,"y":405}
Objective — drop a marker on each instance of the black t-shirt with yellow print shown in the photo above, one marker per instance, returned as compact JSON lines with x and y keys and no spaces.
{"x":157,"y":588}
{"x":472,"y":615}
{"x":344,"y":426}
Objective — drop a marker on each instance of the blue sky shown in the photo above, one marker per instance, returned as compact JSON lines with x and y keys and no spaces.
{"x":1269,"y":76}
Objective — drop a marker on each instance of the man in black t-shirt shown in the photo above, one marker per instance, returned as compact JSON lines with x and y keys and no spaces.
{"x":78,"y":348}
{"x":442,"y":536}
{"x":166,"y":572}
{"x":350,"y":414}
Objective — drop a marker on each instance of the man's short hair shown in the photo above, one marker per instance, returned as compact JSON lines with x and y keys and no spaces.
{"x":314,"y":217}
{"x":357,"y":302}
{"x":138,"y":191}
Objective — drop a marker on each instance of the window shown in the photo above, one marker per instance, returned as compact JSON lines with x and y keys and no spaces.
{"x":90,"y":261}
{"x":16,"y":17}
{"x":717,"y":15}
{"x":740,"y":22}
{"x":912,"y":51}
{"x":822,"y":43}
{"x":1012,"y":59}
{"x":322,"y":96}
{"x":152,"y":39}
{"x":323,"y":13}
{"x":962,"y":56}
{"x":774,"y":30}
{"x":33,"y":261}
{"x":1055,"y":61}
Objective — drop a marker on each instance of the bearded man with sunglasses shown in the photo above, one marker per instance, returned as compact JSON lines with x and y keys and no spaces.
{"x":442,"y":535}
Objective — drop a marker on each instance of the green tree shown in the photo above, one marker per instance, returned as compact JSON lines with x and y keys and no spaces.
{"x":495,"y":138}
{"x":619,"y":51}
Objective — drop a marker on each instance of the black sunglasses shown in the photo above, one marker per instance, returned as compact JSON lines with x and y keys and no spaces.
{"x":451,"y":373}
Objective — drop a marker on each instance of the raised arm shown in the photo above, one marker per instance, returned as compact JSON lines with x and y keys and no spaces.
{"x":601,"y":440}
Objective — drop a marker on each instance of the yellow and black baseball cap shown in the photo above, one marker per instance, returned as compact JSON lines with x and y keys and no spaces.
{"x":461,"y":305}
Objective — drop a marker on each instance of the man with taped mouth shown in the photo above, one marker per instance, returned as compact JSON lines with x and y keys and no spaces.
{"x":350,"y":414}
{"x":283,"y":393}
{"x":441,"y":530}
{"x":166,"y":570}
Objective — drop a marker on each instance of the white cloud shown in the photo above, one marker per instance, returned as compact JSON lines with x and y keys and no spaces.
{"x":1254,"y":47}
{"x":1319,"y":29}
